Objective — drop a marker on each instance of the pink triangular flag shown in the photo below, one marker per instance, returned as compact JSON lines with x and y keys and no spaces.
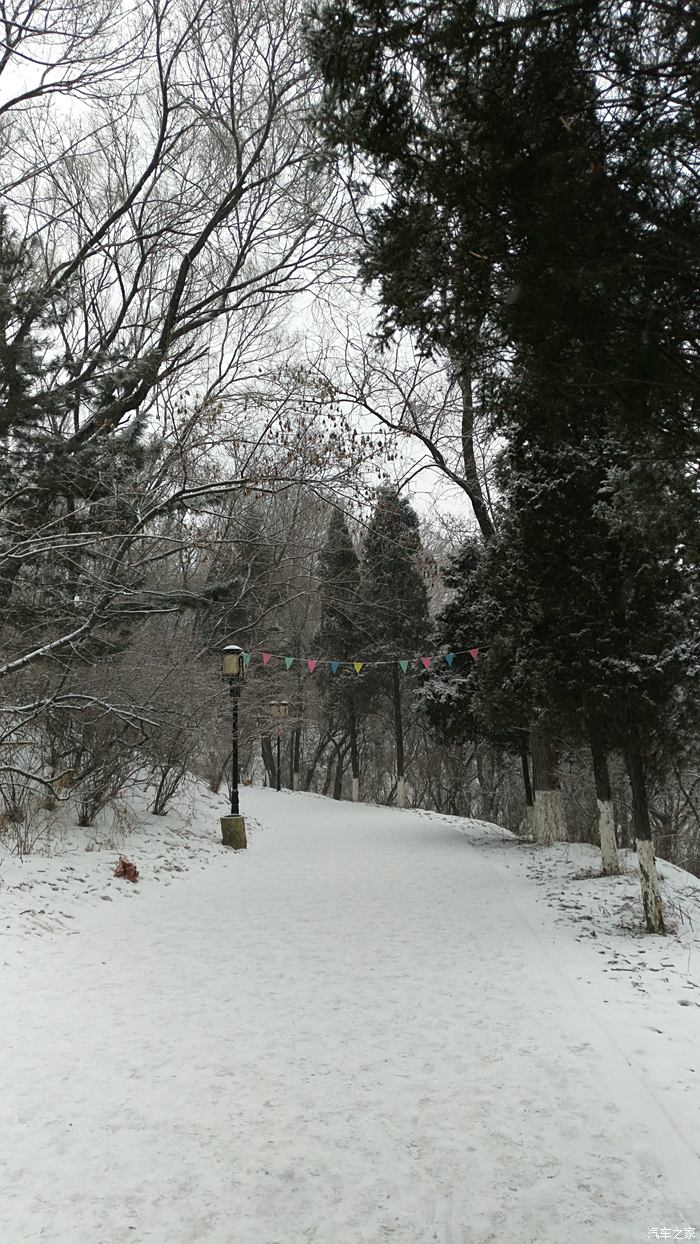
{"x":266,"y":657}
{"x":312,"y":664}
{"x":474,"y":652}
{"x":425,"y":661}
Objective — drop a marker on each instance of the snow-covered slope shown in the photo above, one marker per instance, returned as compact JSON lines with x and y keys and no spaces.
{"x":372,"y":1026}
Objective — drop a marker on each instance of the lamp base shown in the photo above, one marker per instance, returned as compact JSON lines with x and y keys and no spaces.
{"x":233,"y":832}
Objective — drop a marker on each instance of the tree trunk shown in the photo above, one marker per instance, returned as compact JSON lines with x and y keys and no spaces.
{"x":648,"y":875}
{"x":268,"y":759}
{"x":329,"y":774}
{"x":606,"y":811}
{"x":354,"y":755}
{"x":338,"y":782}
{"x":296,"y":757}
{"x":485,"y":778}
{"x":549,"y":818}
{"x":525,"y":763}
{"x":472,"y":483}
{"x":322,"y":745}
{"x":527,"y":784}
{"x":398,"y":730}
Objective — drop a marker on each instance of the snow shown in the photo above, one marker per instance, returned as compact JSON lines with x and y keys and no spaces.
{"x":374,"y":1025}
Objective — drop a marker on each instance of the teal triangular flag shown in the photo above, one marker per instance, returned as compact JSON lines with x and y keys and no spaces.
{"x":449,"y":657}
{"x":246,"y":659}
{"x":335,"y":665}
{"x":289,"y":661}
{"x":404,"y":665}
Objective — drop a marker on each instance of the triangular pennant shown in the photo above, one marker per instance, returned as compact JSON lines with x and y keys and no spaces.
{"x":404,"y":666}
{"x":474,"y":652}
{"x":266,"y":657}
{"x":449,"y":657}
{"x":425,"y":662}
{"x":358,"y":666}
{"x":335,"y":665}
{"x":246,"y":659}
{"x":289,"y":661}
{"x":311,"y":664}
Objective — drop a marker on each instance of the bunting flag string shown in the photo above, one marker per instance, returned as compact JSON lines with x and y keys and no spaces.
{"x":404,"y":663}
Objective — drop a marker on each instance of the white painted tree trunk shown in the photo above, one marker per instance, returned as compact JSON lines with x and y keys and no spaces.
{"x":549,"y":818}
{"x":356,"y":790}
{"x":608,"y":842}
{"x":401,"y":793}
{"x":649,"y":877}
{"x":295,"y":780}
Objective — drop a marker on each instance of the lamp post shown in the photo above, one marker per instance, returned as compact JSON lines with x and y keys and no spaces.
{"x":281,"y":710}
{"x":233,"y":669}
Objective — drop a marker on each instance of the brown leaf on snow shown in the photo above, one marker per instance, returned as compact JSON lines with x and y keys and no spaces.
{"x":126,"y":868}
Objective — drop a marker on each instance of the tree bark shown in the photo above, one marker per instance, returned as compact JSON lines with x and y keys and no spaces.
{"x":329,"y":774}
{"x":648,"y":874}
{"x":525,"y":764}
{"x":268,"y":758}
{"x":296,"y":757}
{"x":606,"y":811}
{"x":485,"y":777}
{"x":338,"y":782}
{"x":527,"y":783}
{"x":549,"y":818}
{"x":354,"y":755}
{"x":311,"y":769}
{"x":471,"y":475}
{"x":398,"y":731}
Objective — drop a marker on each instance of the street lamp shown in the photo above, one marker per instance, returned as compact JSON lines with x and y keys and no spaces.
{"x":233,"y":669}
{"x":280,"y":708}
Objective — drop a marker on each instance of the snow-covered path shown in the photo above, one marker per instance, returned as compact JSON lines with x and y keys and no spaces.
{"x":370,"y":1027}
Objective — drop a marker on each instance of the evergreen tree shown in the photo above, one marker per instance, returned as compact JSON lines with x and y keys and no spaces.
{"x":447,"y":695}
{"x":541,"y":215}
{"x":501,"y":105}
{"x":60,"y":497}
{"x":340,"y":632}
{"x":603,"y":617}
{"x":452,"y":698}
{"x":396,"y":620}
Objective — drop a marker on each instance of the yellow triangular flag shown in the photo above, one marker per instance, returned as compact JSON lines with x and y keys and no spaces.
{"x":358,"y":666}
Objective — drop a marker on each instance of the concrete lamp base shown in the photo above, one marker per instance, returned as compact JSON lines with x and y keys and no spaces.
{"x":233,"y":832}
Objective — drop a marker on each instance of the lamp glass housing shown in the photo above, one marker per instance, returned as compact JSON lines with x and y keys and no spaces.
{"x":280,"y":707}
{"x":232,"y":661}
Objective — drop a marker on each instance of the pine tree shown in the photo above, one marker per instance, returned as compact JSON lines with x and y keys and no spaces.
{"x":541,"y":217}
{"x":437,"y":248}
{"x":340,"y":632}
{"x":460,"y":702}
{"x":60,"y":497}
{"x":396,"y":621}
{"x":604,"y":600}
